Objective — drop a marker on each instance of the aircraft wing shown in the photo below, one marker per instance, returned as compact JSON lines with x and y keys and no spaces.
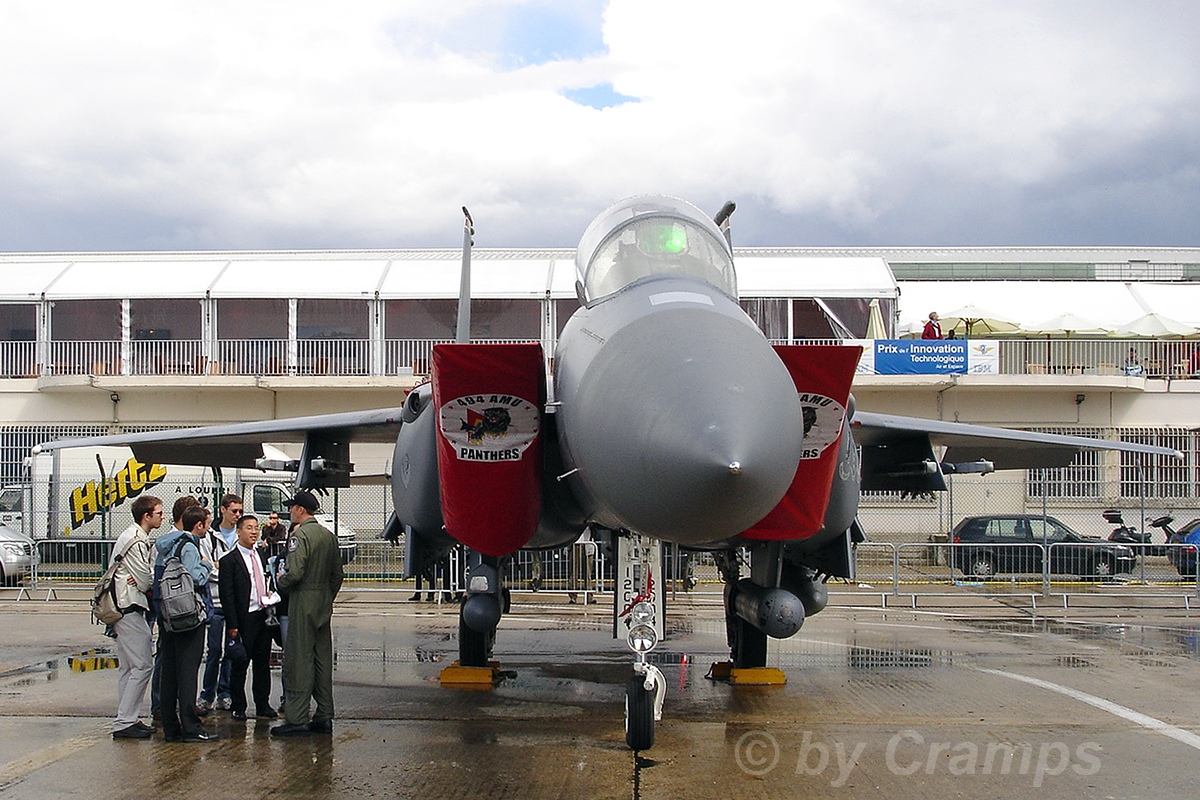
{"x":1006,"y":448}
{"x":240,"y":444}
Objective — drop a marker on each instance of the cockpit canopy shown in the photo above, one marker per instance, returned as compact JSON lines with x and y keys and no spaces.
{"x":649,"y":237}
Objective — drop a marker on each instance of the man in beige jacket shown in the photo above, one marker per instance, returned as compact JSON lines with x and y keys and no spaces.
{"x":135,"y":652}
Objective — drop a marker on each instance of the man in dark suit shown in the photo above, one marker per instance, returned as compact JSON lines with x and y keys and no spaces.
{"x":245,"y":599}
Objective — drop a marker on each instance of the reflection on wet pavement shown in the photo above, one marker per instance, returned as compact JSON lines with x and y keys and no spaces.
{"x":857,"y":678}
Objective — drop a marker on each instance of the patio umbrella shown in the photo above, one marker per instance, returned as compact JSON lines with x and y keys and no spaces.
{"x":1066,"y":325}
{"x":875,"y":326}
{"x":1063,"y":325}
{"x":975,"y":320}
{"x":1156,"y":326}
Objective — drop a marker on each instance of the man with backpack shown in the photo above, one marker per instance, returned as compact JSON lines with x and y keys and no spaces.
{"x":183,"y":576}
{"x":135,"y":652}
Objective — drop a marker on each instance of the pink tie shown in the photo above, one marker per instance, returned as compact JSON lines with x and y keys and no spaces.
{"x":258,"y":580}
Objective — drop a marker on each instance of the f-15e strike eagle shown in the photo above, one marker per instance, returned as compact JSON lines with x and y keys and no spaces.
{"x":668,"y":416}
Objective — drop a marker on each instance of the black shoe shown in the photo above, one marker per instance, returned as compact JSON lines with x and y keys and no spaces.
{"x":267,"y":713}
{"x":416,"y":598}
{"x":321,"y":726}
{"x":289,"y":729}
{"x":152,"y":727}
{"x":240,"y":716}
{"x":199,"y":736}
{"x":134,"y":731}
{"x":172,"y":737}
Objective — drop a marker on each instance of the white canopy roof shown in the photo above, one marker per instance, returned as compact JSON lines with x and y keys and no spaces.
{"x":411,"y":274}
{"x":1109,"y":303}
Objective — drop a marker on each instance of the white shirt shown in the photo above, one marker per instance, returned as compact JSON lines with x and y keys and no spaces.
{"x":254,"y":566}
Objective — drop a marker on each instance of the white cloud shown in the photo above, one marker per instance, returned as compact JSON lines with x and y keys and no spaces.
{"x":171,"y":124}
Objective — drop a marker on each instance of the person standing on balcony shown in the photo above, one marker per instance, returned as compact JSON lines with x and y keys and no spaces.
{"x":933,"y":328}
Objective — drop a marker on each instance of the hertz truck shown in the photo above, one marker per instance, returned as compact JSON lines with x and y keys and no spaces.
{"x":77,"y":501}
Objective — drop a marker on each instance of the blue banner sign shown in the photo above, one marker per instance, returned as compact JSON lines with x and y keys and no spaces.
{"x":930,"y":357}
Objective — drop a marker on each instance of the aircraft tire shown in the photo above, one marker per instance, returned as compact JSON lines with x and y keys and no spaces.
{"x":472,"y":646}
{"x":639,"y":714}
{"x":751,"y":649}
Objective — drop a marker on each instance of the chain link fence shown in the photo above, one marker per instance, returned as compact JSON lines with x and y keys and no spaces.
{"x":910,"y":547}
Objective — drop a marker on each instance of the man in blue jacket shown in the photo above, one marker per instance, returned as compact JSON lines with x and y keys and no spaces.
{"x":182,"y":649}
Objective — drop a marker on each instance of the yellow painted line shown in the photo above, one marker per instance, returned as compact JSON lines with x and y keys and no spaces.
{"x":15,"y":770}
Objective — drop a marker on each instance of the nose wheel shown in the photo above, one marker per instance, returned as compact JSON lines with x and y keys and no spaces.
{"x":644,"y":694}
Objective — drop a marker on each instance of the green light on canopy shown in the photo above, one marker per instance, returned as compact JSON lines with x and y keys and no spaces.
{"x":664,"y":238}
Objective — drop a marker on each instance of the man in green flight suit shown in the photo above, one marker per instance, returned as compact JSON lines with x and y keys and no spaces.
{"x":312,"y":579}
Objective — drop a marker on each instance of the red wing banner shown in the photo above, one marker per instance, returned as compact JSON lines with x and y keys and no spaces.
{"x":489,"y":400}
{"x":822,"y":374}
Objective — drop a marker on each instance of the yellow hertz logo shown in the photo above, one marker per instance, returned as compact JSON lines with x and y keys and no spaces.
{"x":89,"y":500}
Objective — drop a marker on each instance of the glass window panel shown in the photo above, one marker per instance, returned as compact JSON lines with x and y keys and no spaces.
{"x":420,"y":319}
{"x":18,"y":323}
{"x":265,"y":318}
{"x":563,"y":309}
{"x":438,"y":319}
{"x":809,"y":321}
{"x":152,"y":320}
{"x":323,"y":318}
{"x":769,"y":314}
{"x":86,"y":321}
{"x":506,"y":319}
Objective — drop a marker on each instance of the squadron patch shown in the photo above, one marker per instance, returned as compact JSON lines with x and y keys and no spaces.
{"x":292,"y":543}
{"x":822,"y":423}
{"x":489,"y":427}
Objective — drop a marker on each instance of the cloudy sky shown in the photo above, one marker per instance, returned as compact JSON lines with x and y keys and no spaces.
{"x":170,"y":125}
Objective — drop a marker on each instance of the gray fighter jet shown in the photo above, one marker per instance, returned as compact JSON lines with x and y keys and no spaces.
{"x":669,"y":417}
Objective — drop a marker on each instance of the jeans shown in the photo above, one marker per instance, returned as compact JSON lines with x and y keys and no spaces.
{"x":216,"y":666}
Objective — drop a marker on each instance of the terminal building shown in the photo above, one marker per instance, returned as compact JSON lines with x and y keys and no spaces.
{"x":98,"y":342}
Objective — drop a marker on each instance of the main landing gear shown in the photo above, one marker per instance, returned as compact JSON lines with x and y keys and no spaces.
{"x":772,"y":603}
{"x":478,"y":616}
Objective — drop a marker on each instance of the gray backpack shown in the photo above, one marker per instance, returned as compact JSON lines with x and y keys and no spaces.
{"x":179,"y":607}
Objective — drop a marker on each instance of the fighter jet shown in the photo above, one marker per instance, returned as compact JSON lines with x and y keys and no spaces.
{"x":667,"y":417}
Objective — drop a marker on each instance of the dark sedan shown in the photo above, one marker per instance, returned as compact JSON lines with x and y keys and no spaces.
{"x":1015,"y":543}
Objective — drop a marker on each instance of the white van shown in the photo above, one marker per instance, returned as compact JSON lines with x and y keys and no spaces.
{"x":83,"y":495}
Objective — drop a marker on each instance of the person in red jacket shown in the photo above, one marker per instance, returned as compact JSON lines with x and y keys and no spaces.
{"x":933,"y":329}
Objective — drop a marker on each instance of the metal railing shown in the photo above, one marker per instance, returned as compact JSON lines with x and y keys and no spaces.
{"x":84,"y":358}
{"x":1065,"y":357}
{"x":18,"y":360}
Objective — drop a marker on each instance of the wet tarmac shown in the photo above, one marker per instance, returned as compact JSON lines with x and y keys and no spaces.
{"x":974,"y":698}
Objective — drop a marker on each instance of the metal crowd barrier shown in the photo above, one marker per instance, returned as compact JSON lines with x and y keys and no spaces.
{"x":1005,"y":567}
{"x":584,"y":569}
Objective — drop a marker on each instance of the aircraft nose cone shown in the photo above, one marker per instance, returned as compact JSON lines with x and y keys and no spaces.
{"x":688,"y":427}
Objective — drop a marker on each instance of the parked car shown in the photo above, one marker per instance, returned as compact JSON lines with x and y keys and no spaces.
{"x":16,"y":555}
{"x":1183,"y":558}
{"x":988,"y":545}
